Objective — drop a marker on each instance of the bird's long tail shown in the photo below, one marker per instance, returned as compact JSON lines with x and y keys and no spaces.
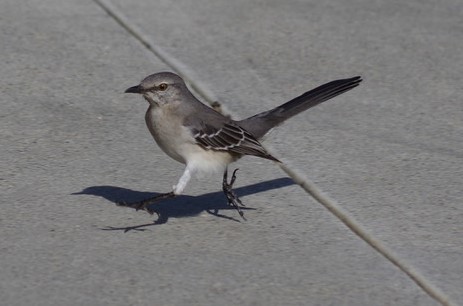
{"x":261,"y":123}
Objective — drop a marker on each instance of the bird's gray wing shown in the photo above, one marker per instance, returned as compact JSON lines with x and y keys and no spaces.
{"x":219,"y":135}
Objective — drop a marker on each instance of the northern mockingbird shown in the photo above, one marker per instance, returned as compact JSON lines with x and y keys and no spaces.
{"x":206,"y":141}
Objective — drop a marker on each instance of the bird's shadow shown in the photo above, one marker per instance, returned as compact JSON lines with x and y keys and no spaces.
{"x":183,"y":205}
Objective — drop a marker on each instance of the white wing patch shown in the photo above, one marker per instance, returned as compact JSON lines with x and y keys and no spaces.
{"x":230,"y":137}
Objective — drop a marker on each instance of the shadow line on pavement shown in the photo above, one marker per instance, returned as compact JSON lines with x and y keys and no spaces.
{"x":182,"y":205}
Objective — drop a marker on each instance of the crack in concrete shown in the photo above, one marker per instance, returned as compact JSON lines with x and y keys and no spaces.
{"x":299,"y":178}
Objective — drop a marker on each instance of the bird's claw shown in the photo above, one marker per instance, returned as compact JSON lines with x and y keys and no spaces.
{"x":233,"y":199}
{"x":141,"y":205}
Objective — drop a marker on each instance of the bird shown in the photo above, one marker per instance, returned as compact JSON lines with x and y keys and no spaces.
{"x":207,"y":141}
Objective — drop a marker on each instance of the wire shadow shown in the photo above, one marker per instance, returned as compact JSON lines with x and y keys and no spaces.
{"x":182,"y":205}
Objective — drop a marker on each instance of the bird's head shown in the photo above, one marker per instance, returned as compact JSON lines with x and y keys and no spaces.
{"x":159,"y":88}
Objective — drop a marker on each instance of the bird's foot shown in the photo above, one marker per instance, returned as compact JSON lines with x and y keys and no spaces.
{"x":144,"y":204}
{"x":233,"y":199}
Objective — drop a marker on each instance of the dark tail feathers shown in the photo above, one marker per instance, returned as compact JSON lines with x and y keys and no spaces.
{"x":261,"y":123}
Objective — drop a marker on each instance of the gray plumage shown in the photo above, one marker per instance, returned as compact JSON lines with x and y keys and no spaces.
{"x":205,"y":140}
{"x":213,"y":131}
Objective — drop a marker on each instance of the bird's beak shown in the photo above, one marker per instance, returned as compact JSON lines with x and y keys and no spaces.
{"x":134,"y":89}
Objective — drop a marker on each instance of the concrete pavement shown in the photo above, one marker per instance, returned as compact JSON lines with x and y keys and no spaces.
{"x":378,"y":222}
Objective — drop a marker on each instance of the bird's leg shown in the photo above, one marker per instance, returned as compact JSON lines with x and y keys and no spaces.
{"x":144,"y":204}
{"x":177,"y":189}
{"x":232,"y":198}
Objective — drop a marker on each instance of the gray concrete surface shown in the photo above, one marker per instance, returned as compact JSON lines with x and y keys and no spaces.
{"x":388,"y":155}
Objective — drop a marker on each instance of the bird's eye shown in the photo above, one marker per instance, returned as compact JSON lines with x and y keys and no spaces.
{"x":162,"y":86}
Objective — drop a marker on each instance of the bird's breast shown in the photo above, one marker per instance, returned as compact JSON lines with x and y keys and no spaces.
{"x":167,"y":131}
